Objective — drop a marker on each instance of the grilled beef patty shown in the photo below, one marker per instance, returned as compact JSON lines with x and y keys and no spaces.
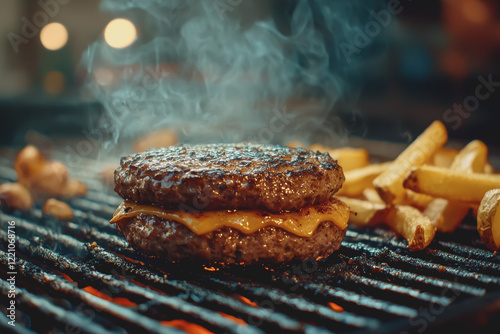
{"x":229,"y":176}
{"x":171,"y":240}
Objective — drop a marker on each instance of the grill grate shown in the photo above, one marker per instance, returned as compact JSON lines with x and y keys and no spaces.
{"x":81,"y":275}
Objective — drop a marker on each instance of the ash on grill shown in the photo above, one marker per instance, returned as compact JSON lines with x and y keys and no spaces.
{"x":80,"y":276}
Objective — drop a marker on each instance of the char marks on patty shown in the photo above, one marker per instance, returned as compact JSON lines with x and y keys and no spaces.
{"x":229,"y":176}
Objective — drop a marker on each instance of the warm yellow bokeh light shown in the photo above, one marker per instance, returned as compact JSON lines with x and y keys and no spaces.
{"x":54,"y":82}
{"x":120,"y":33}
{"x":54,"y":36}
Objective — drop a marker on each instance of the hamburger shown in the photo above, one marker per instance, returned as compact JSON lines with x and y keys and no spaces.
{"x":231,"y":203}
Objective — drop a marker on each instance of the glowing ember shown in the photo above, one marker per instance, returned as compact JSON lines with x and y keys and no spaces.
{"x":186,"y":326}
{"x":210,"y":268}
{"x":335,"y":307}
{"x":247,"y":301}
{"x":118,"y":300}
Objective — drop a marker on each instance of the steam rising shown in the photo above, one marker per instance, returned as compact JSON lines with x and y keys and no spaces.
{"x":196,"y":68}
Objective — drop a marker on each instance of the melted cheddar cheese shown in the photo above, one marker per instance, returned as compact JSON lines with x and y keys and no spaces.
{"x":302,"y":223}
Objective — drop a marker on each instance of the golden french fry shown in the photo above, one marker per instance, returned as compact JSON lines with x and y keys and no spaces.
{"x":488,"y":219}
{"x":488,"y":169}
{"x":417,"y":200}
{"x":372,"y":195}
{"x":447,"y":215}
{"x":444,"y":157}
{"x":472,"y":158}
{"x":434,"y":211}
{"x":295,"y":144}
{"x":156,"y":139}
{"x":44,"y":177}
{"x":452,"y":185}
{"x":57,"y":209}
{"x":357,"y":180}
{"x":74,"y":188}
{"x":416,"y":228}
{"x":15,"y":195}
{"x":389,"y":184}
{"x":107,"y":175}
{"x":29,"y":162}
{"x":51,"y":180}
{"x":365,"y":213}
{"x":349,"y":158}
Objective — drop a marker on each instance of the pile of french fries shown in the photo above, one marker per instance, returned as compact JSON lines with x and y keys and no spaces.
{"x":427,"y":188}
{"x":39,"y":178}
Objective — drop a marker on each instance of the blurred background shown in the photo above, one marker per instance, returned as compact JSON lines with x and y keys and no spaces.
{"x":399,"y":65}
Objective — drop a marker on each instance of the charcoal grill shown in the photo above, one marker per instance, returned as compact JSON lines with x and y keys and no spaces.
{"x":81,"y":277}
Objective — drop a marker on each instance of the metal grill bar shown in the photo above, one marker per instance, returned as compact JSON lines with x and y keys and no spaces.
{"x":8,"y":329}
{"x":94,"y":278}
{"x":119,"y":244}
{"x":463,"y":260}
{"x":62,"y":287}
{"x":62,"y":317}
{"x":106,"y":260}
{"x":377,"y":281}
{"x":418,"y":265}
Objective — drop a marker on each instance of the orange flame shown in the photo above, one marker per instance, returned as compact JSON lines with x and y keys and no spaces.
{"x":186,"y":326}
{"x":236,"y":320}
{"x":118,"y":300}
{"x":335,"y":307}
{"x":247,"y":301}
{"x":210,"y":268}
{"x":67,"y":278}
{"x":131,"y":260}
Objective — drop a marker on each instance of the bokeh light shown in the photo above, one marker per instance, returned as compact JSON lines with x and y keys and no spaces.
{"x":475,"y":11}
{"x":54,"y":36}
{"x":54,"y":82}
{"x":120,"y":33}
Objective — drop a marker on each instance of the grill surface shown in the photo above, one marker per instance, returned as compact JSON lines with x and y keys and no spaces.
{"x":80,"y":276}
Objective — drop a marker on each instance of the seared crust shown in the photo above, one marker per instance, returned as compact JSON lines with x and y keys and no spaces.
{"x":229,"y":176}
{"x":173,"y":241}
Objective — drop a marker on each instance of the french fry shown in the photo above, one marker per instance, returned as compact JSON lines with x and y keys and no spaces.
{"x":74,"y":188}
{"x":444,"y":157}
{"x":51,"y":179}
{"x":365,"y":213}
{"x":45,"y":177}
{"x":15,"y":196}
{"x":416,"y":228}
{"x":472,"y":158}
{"x":156,"y":139}
{"x":29,"y":162}
{"x":357,"y":180}
{"x":57,"y":209}
{"x":488,"y":219}
{"x":488,"y":169}
{"x":349,"y":158}
{"x":417,"y":200}
{"x":447,"y":215}
{"x":452,"y":185}
{"x":434,"y":211}
{"x":389,"y":184}
{"x":295,"y":144}
{"x":372,"y":195}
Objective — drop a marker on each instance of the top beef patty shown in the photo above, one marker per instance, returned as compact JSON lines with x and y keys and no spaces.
{"x":229,"y":176}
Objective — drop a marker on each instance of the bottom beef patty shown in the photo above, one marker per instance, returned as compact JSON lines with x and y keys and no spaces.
{"x":171,"y":240}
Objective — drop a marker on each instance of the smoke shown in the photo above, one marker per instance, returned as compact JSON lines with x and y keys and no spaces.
{"x":197,"y":67}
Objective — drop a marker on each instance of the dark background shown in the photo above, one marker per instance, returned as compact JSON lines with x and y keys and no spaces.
{"x":427,"y":60}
